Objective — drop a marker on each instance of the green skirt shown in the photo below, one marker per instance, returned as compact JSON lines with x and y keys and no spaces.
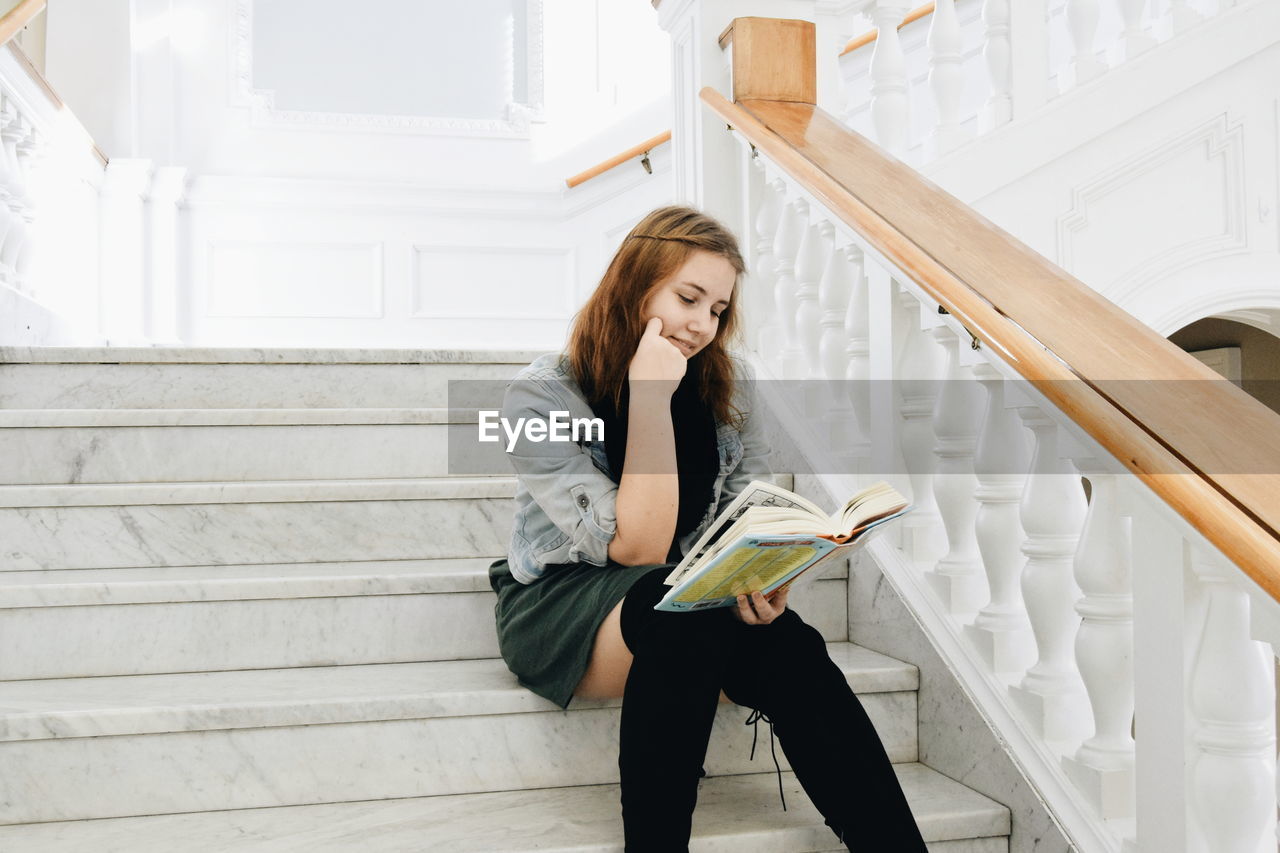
{"x":546,"y":629}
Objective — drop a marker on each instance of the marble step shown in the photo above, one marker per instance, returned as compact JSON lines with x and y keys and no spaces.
{"x":73,"y":446}
{"x":146,"y":378}
{"x":184,"y":524}
{"x":109,"y":747}
{"x":738,"y":813}
{"x":102,"y":622}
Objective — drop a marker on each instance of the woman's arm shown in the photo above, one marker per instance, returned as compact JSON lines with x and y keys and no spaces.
{"x":649,"y":488}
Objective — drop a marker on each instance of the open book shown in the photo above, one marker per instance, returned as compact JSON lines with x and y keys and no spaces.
{"x":767,"y":538}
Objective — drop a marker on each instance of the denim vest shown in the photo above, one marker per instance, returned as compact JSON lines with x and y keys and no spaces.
{"x":565,"y":498}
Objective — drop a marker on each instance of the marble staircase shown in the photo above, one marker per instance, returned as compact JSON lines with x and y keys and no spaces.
{"x":243,"y":606}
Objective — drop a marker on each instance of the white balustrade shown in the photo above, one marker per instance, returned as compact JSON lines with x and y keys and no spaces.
{"x":765,"y":223}
{"x":1233,"y":790}
{"x":786,"y":246}
{"x":889,"y":78}
{"x":1133,"y":40}
{"x":917,"y":377}
{"x":998,"y":54}
{"x":1082,"y":25}
{"x":811,"y":258}
{"x":1093,"y":621}
{"x":1001,"y":631}
{"x":839,"y":418}
{"x":1179,"y":17}
{"x":946,"y":77}
{"x":1051,"y":695}
{"x":1102,"y":767}
{"x":957,"y":578}
{"x":857,"y":323}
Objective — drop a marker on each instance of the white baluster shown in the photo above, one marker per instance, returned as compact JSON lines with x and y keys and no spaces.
{"x":1102,"y":767}
{"x":1133,"y":39}
{"x":834,"y":291}
{"x":786,"y":245}
{"x":1178,"y":18}
{"x":889,"y":78}
{"x":768,"y":215}
{"x":1233,"y":783}
{"x":1082,"y":24}
{"x":997,"y":51}
{"x":1001,"y":631}
{"x":917,"y":378}
{"x":946,"y":77}
{"x":1051,"y":694}
{"x":11,"y":189}
{"x":811,"y":258}
{"x":857,"y":323}
{"x":957,"y":578}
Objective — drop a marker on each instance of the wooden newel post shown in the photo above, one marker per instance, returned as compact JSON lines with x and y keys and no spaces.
{"x":772,"y":59}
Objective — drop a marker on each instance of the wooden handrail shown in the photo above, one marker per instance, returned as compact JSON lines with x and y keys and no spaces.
{"x":1120,"y":381}
{"x":18,"y":17}
{"x":872,"y":34}
{"x":618,"y":159}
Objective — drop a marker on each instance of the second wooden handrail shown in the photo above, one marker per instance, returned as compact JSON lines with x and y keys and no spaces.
{"x":618,"y":159}
{"x":18,"y":17}
{"x":871,"y":35}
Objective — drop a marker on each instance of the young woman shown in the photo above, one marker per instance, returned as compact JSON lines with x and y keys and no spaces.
{"x":600,"y":520}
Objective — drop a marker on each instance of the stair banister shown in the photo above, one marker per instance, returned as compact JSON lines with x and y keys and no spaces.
{"x":1103,"y":396}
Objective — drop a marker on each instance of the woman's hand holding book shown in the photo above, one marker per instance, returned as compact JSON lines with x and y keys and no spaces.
{"x":760,"y":609}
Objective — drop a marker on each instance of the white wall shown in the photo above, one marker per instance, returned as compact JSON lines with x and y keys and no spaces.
{"x":394,"y":178}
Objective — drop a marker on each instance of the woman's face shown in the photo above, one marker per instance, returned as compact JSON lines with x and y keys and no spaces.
{"x":690,"y":301}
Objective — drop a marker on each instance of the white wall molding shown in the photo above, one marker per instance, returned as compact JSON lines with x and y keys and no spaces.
{"x":265,"y":114}
{"x":253,"y":278}
{"x":1219,"y":137}
{"x":490,"y":267}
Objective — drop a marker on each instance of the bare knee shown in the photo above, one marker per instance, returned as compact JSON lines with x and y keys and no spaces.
{"x":606,"y":675}
{"x":610,"y":663}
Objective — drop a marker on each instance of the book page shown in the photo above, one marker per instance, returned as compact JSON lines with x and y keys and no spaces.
{"x":757,"y":493}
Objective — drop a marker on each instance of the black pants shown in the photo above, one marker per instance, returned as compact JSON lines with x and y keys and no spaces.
{"x":781,"y":669}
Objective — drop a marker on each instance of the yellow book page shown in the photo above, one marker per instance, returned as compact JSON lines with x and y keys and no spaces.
{"x":764,"y":565}
{"x":773,"y":565}
{"x":718,"y":575}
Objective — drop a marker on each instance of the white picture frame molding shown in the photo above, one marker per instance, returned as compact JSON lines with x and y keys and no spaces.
{"x":264,"y":112}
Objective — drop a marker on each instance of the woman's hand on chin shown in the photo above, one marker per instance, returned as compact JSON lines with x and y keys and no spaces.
{"x":658,"y":363}
{"x":757,"y":609}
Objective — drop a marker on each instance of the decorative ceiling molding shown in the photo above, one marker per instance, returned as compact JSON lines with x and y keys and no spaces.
{"x":264,"y":112}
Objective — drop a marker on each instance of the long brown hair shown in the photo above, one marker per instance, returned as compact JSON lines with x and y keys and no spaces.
{"x":607,"y":330}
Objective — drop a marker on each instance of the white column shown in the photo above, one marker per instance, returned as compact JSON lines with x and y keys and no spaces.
{"x":889,"y":78}
{"x":761,"y":305}
{"x":1178,"y":18}
{"x":123,"y":251}
{"x":811,"y":259}
{"x":786,"y":247}
{"x":957,"y":578}
{"x":1001,"y":631}
{"x":1102,"y":768}
{"x":164,"y":275}
{"x":1161,"y":613}
{"x":917,"y":379}
{"x":997,"y":52}
{"x":1029,"y":52}
{"x":839,"y":421}
{"x":1051,"y":695}
{"x":1233,"y":783}
{"x":946,"y":78}
{"x":857,"y":323}
{"x":1082,"y":25}
{"x":1133,"y":38}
